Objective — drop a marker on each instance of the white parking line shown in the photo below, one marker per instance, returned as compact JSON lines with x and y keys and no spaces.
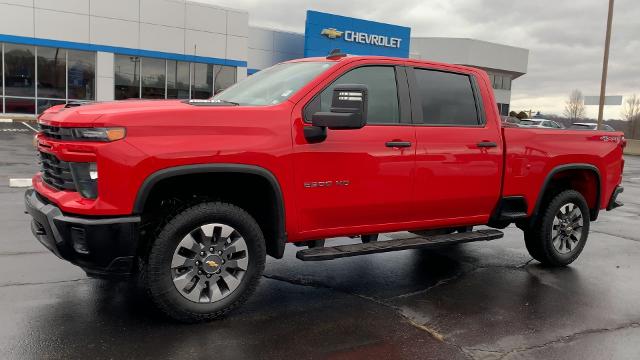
{"x":19,"y":183}
{"x":29,"y":126}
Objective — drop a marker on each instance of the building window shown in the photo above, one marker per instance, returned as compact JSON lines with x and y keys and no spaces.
{"x":201,"y":81}
{"x":81,"y":78}
{"x":500,"y":82}
{"x":126,"y":76}
{"x":177,"y":79}
{"x":224,"y":76}
{"x":52,"y":73}
{"x":503,"y":109}
{"x":19,"y":70}
{"x":506,"y":83}
{"x":151,"y":78}
{"x":36,"y":78}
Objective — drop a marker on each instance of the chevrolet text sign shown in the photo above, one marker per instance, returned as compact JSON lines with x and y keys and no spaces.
{"x":365,"y":38}
{"x":325,"y":32}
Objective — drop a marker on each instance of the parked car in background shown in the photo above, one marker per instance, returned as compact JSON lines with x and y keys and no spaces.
{"x":590,"y":126}
{"x":510,"y":120}
{"x":540,"y":123}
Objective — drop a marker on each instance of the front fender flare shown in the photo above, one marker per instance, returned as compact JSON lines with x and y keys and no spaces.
{"x":275,"y":249}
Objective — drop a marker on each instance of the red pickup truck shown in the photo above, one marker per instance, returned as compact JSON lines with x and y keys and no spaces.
{"x":192,"y":195}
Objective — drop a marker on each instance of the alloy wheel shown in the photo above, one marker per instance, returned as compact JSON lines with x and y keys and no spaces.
{"x":209,"y":263}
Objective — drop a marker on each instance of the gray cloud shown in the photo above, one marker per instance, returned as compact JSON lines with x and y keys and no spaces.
{"x":565,"y":38}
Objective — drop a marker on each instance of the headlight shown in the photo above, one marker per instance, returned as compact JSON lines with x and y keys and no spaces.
{"x":98,"y":134}
{"x":85,"y":177}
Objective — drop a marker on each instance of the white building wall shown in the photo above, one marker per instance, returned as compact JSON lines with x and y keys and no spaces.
{"x":497,"y":58}
{"x":471,"y":52}
{"x":174,"y":26}
{"x":267,"y":47}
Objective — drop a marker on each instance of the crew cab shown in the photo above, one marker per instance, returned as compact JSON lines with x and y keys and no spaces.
{"x":191,"y":196}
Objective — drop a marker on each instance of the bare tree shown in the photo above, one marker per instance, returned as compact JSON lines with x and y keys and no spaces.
{"x":574,"y":107}
{"x":631,"y":113}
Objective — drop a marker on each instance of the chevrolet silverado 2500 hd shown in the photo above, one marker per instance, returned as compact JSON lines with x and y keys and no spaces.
{"x":192,"y":195}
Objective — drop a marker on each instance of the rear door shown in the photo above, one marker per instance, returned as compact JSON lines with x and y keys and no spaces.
{"x":356,"y":180}
{"x":459,"y":152}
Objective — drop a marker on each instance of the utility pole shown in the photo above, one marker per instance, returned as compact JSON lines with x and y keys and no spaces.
{"x":605,"y":64}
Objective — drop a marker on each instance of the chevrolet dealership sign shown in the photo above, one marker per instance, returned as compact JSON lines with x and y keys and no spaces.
{"x":325,"y":32}
{"x":361,"y":37}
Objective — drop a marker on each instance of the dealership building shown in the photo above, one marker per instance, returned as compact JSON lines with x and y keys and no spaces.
{"x":60,"y":51}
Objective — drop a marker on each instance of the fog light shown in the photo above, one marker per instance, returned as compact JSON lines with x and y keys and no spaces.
{"x":85,"y":177}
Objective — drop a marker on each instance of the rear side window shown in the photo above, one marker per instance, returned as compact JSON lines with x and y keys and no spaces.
{"x":382,"y":105}
{"x":447,"y":98}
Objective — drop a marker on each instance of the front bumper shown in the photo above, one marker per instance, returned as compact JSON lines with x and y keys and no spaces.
{"x":101,"y":246}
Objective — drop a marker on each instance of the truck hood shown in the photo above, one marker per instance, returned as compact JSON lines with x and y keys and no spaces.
{"x":103,"y":113}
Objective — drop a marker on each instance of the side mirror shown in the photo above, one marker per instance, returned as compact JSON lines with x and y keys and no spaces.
{"x":348,"y":109}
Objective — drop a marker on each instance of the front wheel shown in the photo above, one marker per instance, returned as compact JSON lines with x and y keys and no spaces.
{"x":206,"y":261}
{"x":558,"y":237}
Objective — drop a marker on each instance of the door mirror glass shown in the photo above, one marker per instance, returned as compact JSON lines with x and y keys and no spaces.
{"x":348,"y":108}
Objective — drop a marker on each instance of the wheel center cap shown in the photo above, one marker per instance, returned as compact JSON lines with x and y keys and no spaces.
{"x":211,"y":264}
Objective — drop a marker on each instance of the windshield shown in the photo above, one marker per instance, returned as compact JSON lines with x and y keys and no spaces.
{"x":530,"y":122}
{"x":273,"y":85}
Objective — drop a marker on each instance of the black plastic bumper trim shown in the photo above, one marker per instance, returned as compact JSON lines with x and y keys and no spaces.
{"x":112,"y":242}
{"x":613,"y":202}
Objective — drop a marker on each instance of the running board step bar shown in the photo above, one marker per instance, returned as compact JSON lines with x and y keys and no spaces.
{"x":420,"y":242}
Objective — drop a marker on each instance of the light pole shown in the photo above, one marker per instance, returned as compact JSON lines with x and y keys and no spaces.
{"x":605,"y":64}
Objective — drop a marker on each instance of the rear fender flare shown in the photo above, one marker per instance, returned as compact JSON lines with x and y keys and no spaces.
{"x":564,"y":167}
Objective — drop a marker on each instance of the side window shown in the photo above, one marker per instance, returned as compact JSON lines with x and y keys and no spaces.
{"x":382,"y":105}
{"x":447,"y":98}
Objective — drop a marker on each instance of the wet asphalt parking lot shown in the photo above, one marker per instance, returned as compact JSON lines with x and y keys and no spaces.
{"x":485,"y":300}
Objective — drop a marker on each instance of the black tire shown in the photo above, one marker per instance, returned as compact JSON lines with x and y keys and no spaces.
{"x":157,"y":277}
{"x":538,"y":237}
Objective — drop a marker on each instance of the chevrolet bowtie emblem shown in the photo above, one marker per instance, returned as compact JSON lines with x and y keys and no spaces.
{"x":331,"y":33}
{"x":212,"y":263}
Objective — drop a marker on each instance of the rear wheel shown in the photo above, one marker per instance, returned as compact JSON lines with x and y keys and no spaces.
{"x":559,"y":235}
{"x":205,"y":262}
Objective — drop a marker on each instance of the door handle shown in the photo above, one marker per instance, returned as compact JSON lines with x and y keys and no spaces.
{"x":487,"y":144}
{"x":398,"y":144}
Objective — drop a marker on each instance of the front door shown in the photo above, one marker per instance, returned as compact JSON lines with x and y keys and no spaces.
{"x":357,"y":181}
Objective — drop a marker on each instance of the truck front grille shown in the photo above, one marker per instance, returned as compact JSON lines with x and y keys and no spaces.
{"x":56,"y":173}
{"x":52,"y":132}
{"x":55,"y":132}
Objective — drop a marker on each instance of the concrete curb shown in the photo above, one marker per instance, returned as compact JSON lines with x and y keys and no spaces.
{"x":14,"y":119}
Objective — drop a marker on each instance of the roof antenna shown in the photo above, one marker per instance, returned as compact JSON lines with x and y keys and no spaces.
{"x":335,"y":54}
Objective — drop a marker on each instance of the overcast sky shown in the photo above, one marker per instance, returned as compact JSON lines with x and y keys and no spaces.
{"x":565,"y":37}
